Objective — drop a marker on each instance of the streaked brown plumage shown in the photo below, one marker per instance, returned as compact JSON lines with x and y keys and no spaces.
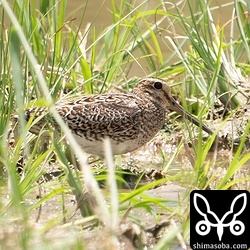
{"x":128,"y":120}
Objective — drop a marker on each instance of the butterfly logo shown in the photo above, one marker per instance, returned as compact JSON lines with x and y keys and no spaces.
{"x":203,"y":227}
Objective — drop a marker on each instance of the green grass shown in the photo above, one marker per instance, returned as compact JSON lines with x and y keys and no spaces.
{"x":45,"y":57}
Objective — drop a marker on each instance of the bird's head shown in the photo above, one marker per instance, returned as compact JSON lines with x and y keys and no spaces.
{"x":158,"y":91}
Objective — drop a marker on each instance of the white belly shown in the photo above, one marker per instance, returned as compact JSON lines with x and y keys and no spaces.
{"x":97,"y":147}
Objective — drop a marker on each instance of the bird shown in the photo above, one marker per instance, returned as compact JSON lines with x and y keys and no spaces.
{"x":129,"y":120}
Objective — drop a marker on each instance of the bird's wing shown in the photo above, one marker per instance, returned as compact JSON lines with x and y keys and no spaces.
{"x":98,"y":116}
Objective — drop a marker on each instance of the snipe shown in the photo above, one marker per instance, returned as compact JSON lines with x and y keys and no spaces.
{"x":128,"y":120}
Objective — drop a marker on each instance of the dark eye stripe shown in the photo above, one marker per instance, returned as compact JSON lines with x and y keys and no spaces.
{"x":158,"y":85}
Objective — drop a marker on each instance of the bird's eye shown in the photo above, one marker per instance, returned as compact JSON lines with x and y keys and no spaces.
{"x":158,"y":85}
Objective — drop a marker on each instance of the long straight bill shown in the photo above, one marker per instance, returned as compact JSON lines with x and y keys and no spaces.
{"x":175,"y":106}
